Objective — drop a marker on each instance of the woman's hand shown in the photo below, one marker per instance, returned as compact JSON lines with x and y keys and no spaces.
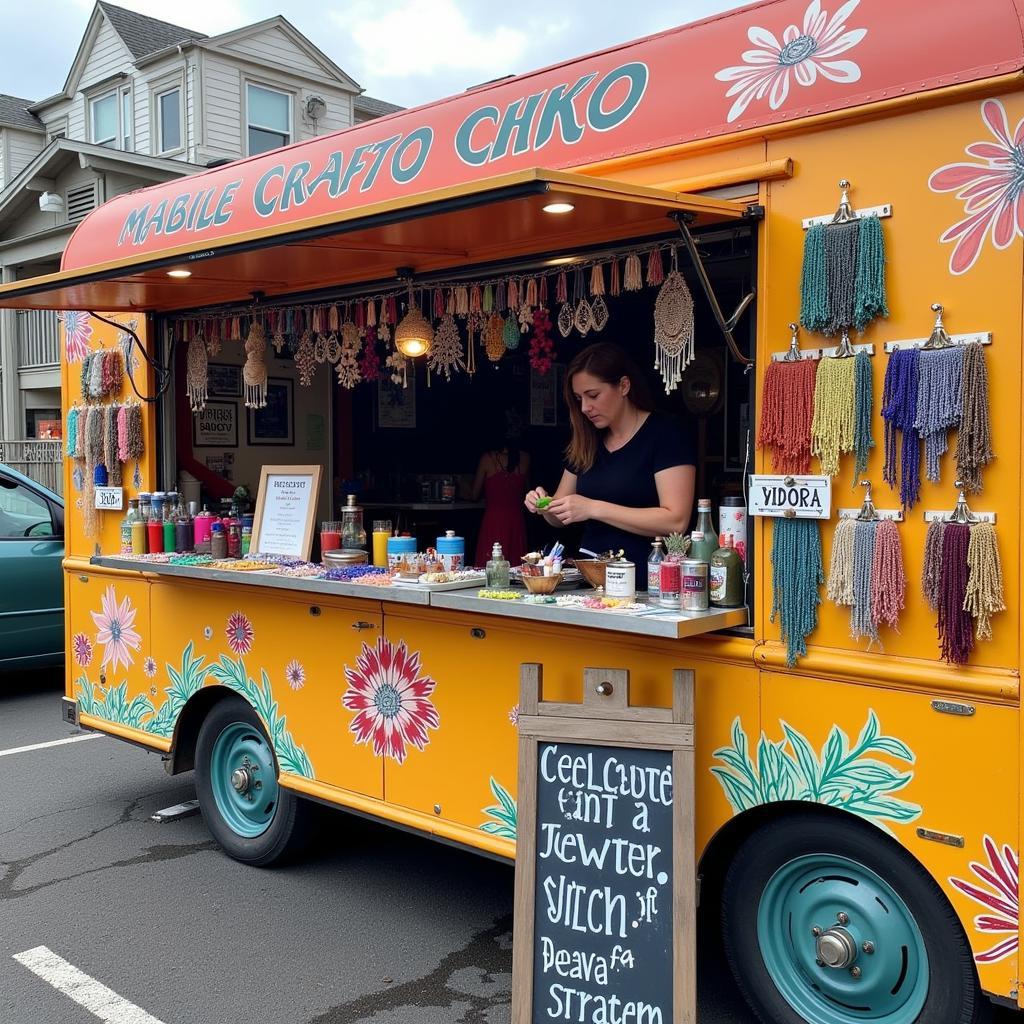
{"x":572,"y":508}
{"x":532,"y":497}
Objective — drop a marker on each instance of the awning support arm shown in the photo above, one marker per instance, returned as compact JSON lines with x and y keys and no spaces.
{"x":162,"y":373}
{"x":725,"y":326}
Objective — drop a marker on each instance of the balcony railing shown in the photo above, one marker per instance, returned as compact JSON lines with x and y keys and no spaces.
{"x":40,"y":460}
{"x":38,"y":339}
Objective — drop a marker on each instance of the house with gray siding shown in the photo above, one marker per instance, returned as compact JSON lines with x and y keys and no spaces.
{"x":144,"y":101}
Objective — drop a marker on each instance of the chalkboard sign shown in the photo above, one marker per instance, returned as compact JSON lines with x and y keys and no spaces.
{"x":605,"y":884}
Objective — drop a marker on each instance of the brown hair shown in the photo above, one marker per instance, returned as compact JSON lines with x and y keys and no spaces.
{"x":610,"y":364}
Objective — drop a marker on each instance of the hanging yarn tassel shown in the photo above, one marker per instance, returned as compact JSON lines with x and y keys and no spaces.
{"x":869,"y":294}
{"x":632,"y":280}
{"x":840,"y":571}
{"x":487,"y":302}
{"x":974,"y":438}
{"x":813,"y":282}
{"x":861,"y":622}
{"x":655,"y":268}
{"x":956,"y":632}
{"x":615,"y":286}
{"x":122,"y":434}
{"x":83,"y":416}
{"x":841,"y":274}
{"x":597,"y":280}
{"x":196,"y":374}
{"x":787,"y":410}
{"x":93,"y":458}
{"x":833,"y":421}
{"x":96,"y":376}
{"x":475,"y":299}
{"x":543,"y":290}
{"x":674,"y":338}
{"x":598,"y":308}
{"x":939,"y":402}
{"x":796,"y":575}
{"x":888,"y":578}
{"x":71,"y":429}
{"x":984,"y":596}
{"x":899,"y":411}
{"x":931,"y":571}
{"x":512,"y":293}
{"x":583,"y":318}
{"x":864,"y":400}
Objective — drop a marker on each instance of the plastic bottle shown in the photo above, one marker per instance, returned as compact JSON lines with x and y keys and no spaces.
{"x":201,"y":530}
{"x":126,"y":525}
{"x":234,"y":531}
{"x":218,"y":541}
{"x":497,"y":570}
{"x":725,"y":577}
{"x":246,"y":539}
{"x":704,"y":539}
{"x":170,"y":516}
{"x":155,"y":524}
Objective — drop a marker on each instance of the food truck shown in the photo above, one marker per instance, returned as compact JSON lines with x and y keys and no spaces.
{"x":857,"y":796}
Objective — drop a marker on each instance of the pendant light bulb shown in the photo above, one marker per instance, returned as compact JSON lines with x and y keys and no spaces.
{"x":415,"y":334}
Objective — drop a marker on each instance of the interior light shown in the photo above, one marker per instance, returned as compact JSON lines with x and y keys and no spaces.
{"x":557,"y":261}
{"x":559,"y":207}
{"x":415,"y":334}
{"x":179,"y":273}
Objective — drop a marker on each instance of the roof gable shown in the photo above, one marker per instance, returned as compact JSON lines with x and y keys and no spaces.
{"x":14,"y":113}
{"x":331,"y":70}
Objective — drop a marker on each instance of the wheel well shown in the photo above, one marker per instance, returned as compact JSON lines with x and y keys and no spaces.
{"x":190,"y":721}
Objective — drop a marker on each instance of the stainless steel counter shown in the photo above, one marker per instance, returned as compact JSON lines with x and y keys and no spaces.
{"x":656,"y":622}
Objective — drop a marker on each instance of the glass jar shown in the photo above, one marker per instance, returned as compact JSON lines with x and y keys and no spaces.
{"x":353,"y":533}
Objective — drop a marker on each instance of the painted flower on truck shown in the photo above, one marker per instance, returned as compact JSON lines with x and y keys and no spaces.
{"x":116,"y":633}
{"x":996,"y":891}
{"x":240,"y":633}
{"x":391,"y":700}
{"x":992,"y":189}
{"x":840,"y":776}
{"x":803,"y":52}
{"x":77,"y":332}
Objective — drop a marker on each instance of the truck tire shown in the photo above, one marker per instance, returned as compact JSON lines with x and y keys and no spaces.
{"x":826,"y":923}
{"x":251,"y":816}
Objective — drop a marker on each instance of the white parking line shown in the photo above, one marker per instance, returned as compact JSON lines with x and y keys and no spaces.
{"x":52,"y":743}
{"x":88,"y":992}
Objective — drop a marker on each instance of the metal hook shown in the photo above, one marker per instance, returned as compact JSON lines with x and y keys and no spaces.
{"x":940,"y":336}
{"x":844,"y":350}
{"x":845,"y":214}
{"x":793,"y":355}
{"x":962,"y":513}
{"x":867,"y":512}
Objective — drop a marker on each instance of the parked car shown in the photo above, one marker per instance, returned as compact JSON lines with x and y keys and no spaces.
{"x":31,"y":583}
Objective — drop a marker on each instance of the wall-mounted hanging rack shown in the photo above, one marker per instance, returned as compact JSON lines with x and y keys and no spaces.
{"x":845,"y":213}
{"x":867,"y":512}
{"x":961,"y":513}
{"x":940,"y":337}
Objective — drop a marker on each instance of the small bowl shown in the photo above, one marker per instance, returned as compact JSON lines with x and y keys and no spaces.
{"x":529,"y":569}
{"x":592,"y":570}
{"x":542,"y":584}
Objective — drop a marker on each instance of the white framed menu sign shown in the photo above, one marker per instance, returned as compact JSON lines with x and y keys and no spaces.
{"x":285,"y":510}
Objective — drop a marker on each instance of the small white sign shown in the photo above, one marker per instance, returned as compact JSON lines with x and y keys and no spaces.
{"x":791,"y":497}
{"x":110,"y":499}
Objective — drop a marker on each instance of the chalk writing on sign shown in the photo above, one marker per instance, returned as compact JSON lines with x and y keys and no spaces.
{"x":603,"y":927}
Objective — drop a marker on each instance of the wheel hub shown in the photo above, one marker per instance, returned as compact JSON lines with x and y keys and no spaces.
{"x":836,"y":948}
{"x":241,"y":779}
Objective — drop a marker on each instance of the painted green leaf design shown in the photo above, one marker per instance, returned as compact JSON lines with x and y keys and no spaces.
{"x":504,"y":815}
{"x":791,"y":770}
{"x":186,"y":682}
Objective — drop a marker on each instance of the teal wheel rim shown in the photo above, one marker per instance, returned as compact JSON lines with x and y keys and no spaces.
{"x":244,"y":780}
{"x":840,"y":945}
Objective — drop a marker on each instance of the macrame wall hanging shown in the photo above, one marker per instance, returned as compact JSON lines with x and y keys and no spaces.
{"x":787,"y":409}
{"x":843,"y":401}
{"x":931,"y":389}
{"x":254,"y":372}
{"x":962,"y":578}
{"x":196,"y":373}
{"x":866,"y":573}
{"x":347,"y":368}
{"x":599,"y":314}
{"x":565,"y":310}
{"x":673,"y":322}
{"x":842,"y":284}
{"x":446,"y":355}
{"x":797,"y":574}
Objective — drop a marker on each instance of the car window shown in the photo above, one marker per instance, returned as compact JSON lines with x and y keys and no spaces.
{"x":22,"y":512}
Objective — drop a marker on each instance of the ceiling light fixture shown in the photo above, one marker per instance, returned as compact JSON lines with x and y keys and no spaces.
{"x":179,"y":273}
{"x":559,"y":207}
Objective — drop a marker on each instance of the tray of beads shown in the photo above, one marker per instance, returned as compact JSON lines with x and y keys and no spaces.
{"x":434,"y":581}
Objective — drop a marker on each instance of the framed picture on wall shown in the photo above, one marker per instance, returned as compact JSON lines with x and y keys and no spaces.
{"x":224,"y":380}
{"x":396,"y":406}
{"x":275,"y":422}
{"x":216,"y":426}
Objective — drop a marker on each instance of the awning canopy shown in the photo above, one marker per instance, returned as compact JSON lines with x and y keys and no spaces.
{"x":485,"y":221}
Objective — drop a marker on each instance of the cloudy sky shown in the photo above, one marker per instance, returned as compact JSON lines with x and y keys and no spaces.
{"x":405,"y":51}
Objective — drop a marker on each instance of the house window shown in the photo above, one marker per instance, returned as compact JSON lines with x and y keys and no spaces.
{"x":127,"y":120}
{"x":104,"y":119}
{"x":168,"y":116}
{"x":269,"y":118}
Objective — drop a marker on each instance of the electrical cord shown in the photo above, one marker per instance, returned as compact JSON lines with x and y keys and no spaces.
{"x":162,"y":373}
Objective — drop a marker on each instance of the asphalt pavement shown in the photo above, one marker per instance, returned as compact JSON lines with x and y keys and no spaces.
{"x":151,"y":924}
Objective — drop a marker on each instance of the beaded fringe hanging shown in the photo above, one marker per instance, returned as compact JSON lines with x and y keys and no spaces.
{"x":899,"y":411}
{"x":494,"y":336}
{"x":673,"y":327}
{"x":842,"y":284}
{"x":347,"y":368}
{"x":888,"y":576}
{"x":254,"y":372}
{"x":796,"y":576}
{"x":956,"y":635}
{"x":196,"y":374}
{"x":542,"y":348}
{"x":369,"y":361}
{"x":931,"y":570}
{"x":787,"y":410}
{"x":984,"y":596}
{"x":939,"y":403}
{"x":974,"y":438}
{"x":833,"y":422}
{"x":863,"y":406}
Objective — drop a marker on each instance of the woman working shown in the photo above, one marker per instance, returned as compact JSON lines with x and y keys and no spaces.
{"x":630,"y":472}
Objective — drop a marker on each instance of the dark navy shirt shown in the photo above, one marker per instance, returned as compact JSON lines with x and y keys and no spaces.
{"x":626,"y":477}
